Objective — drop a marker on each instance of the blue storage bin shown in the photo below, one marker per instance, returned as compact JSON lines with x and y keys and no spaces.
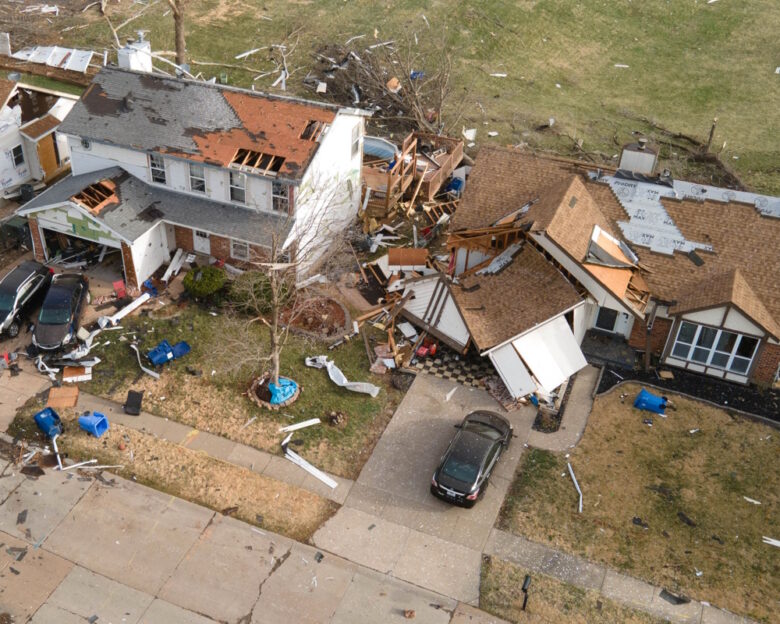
{"x":49,"y":422}
{"x":95,"y":423}
{"x":180,"y":349}
{"x":162,"y":353}
{"x":648,"y":401}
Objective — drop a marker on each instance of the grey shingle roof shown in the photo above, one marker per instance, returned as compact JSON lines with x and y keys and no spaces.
{"x":195,"y":120}
{"x":141,"y":206}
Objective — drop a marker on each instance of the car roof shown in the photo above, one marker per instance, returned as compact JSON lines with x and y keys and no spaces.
{"x":471,"y":446}
{"x":19,"y":275}
{"x":67,"y":280}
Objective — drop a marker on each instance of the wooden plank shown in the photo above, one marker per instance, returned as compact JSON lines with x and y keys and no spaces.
{"x":63,"y":397}
{"x":360,"y":266}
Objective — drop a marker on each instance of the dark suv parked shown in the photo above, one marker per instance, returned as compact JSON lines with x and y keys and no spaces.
{"x":58,"y":321}
{"x":19,"y":290}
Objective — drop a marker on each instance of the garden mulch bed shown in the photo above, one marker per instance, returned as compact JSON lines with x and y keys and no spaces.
{"x":750,"y":399}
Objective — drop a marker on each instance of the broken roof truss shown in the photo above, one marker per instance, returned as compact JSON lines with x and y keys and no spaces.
{"x":264,"y":164}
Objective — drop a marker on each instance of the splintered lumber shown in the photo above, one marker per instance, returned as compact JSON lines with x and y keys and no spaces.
{"x":398,"y":307}
{"x":419,"y":186}
{"x":368,"y":348}
{"x":371,"y":313}
{"x":360,"y":266}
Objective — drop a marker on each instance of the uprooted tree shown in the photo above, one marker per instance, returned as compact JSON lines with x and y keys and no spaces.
{"x":271,"y":291}
{"x":405,"y":81}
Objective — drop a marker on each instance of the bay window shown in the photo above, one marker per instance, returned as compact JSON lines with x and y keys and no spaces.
{"x":718,"y":348}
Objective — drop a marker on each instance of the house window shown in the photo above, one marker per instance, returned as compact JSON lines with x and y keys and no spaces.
{"x":18,"y":155}
{"x":239,"y":250}
{"x":197,"y":178}
{"x":718,"y":348}
{"x":238,"y":187}
{"x":157,"y":168}
{"x":355,"y":140}
{"x":606,"y":319}
{"x":281,"y":196}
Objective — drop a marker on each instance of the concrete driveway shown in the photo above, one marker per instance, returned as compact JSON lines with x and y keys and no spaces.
{"x":391,"y":523}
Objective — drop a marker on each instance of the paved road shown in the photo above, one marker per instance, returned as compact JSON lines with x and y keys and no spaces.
{"x":73,"y":548}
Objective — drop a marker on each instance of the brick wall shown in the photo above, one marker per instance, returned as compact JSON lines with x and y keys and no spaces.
{"x":37,"y":239}
{"x":638,"y":337}
{"x":220,"y":247}
{"x":766,"y":366}
{"x":127,"y":259}
{"x":183,"y":237}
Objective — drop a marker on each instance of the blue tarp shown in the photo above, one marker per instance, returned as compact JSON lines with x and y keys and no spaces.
{"x":284,"y":391}
{"x":648,"y":401}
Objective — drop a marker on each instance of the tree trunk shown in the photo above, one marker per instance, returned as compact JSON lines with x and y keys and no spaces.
{"x":178,"y":24}
{"x":275,"y":338}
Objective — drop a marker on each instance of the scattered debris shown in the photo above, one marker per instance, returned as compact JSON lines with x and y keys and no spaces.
{"x":650,"y":402}
{"x":105,"y":321}
{"x":133,"y":402}
{"x":692,"y":431}
{"x":300,"y":461}
{"x":21,"y":517}
{"x":672,"y":598}
{"x":63,"y":397}
{"x":576,"y":485}
{"x":641,"y":523}
{"x":300,"y":425}
{"x":771,"y":541}
{"x":95,"y":423}
{"x":752,"y":500}
{"x":449,"y":394}
{"x":148,"y":371}
{"x":685,"y":519}
{"x":409,"y":614}
{"x":81,"y":464}
{"x":249,"y":422}
{"x":337,"y":377}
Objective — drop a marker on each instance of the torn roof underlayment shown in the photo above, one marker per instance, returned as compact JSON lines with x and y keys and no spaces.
{"x":199,"y":121}
{"x":55,"y":56}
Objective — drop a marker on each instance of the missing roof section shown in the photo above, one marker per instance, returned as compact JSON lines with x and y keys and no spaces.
{"x":97,"y":196}
{"x":265,"y":164}
{"x":314,"y":130}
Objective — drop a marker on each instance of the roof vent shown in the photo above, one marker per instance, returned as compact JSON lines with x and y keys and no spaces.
{"x":695,"y":258}
{"x":572,"y":201}
{"x":642,"y":143}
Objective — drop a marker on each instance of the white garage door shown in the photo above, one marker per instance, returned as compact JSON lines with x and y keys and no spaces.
{"x":551,"y":352}
{"x":513,"y":372}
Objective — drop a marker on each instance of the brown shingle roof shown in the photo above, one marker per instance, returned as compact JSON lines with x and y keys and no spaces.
{"x":728,"y":286}
{"x":6,"y":89}
{"x":527,"y":292}
{"x":41,"y":126}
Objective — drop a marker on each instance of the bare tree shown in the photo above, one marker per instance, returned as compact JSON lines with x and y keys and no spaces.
{"x":271,"y":293}
{"x":178,"y":9}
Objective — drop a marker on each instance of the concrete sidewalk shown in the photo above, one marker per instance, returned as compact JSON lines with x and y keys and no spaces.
{"x":621,"y":588}
{"x":575,"y":414}
{"x":267,"y":464}
{"x":75,"y":548}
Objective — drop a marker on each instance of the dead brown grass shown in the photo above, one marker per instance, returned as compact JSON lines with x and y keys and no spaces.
{"x":628,"y":470}
{"x":549,"y":600}
{"x":197,"y":477}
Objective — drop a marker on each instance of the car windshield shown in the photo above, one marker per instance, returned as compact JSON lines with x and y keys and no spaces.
{"x":6,"y":302}
{"x":54,"y":315}
{"x":484,"y":430}
{"x":460,"y":469}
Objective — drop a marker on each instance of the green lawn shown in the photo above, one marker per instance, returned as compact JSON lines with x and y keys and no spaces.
{"x":688,"y":61}
{"x":216,"y":402}
{"x":642,"y":485}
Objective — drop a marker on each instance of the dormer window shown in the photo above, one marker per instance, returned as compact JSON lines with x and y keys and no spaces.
{"x":197,"y":178}
{"x":157,"y":168}
{"x":238,"y":187}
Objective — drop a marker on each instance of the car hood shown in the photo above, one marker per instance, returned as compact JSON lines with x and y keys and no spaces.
{"x":50,"y":336}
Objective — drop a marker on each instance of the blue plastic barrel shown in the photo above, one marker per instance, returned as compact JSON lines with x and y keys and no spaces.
{"x":180,"y":349}
{"x":49,"y":422}
{"x":648,"y":401}
{"x":95,"y":423}
{"x":161,"y":353}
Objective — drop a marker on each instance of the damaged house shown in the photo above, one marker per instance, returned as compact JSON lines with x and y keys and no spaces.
{"x":30,"y":150}
{"x":160,"y":164}
{"x":545,"y":250}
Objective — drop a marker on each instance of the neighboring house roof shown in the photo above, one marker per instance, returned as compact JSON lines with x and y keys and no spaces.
{"x":140,"y":206}
{"x":503,"y":180}
{"x":196,"y":120}
{"x":7,"y":88}
{"x":40,"y":127}
{"x":729,"y":286}
{"x":529,"y":291}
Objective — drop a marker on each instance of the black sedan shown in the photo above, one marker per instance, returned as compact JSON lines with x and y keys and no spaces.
{"x":58,"y":321}
{"x":19,"y":290}
{"x":462,"y":475}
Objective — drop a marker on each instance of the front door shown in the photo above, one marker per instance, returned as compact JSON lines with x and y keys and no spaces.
{"x":201,"y":242}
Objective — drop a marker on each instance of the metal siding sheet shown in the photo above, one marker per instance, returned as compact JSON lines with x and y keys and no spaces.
{"x":41,"y":54}
{"x":423,"y":291}
{"x":57,"y":56}
{"x":512,"y":371}
{"x":79,"y":60}
{"x":551,"y":352}
{"x":452,"y":324}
